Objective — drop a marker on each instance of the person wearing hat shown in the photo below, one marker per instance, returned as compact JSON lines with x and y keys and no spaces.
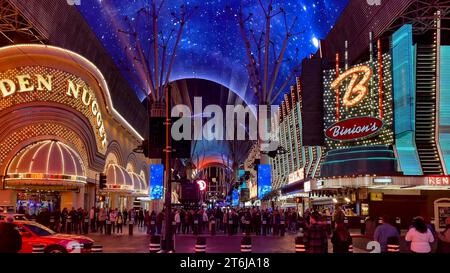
{"x":11,"y":241}
{"x":443,"y":245}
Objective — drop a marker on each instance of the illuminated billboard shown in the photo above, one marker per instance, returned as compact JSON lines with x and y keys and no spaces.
{"x":358,"y":104}
{"x":156,"y":181}
{"x":264,"y":180}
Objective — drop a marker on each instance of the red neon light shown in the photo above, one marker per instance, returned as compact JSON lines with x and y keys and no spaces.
{"x":380,"y":79}
{"x":201,"y":184}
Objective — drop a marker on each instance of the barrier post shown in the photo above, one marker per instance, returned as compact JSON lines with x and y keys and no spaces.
{"x":108,"y":227}
{"x":130,"y":227}
{"x":264,"y":224}
{"x":213,"y":227}
{"x":97,"y":249}
{"x":195,"y":231}
{"x":393,"y":245}
{"x":200,"y":245}
{"x":398,"y":223}
{"x":282,"y":228}
{"x":299,"y":245}
{"x":86,"y":226}
{"x":362,"y":224}
{"x":246,"y":244}
{"x":69,"y":224}
{"x":155,"y":244}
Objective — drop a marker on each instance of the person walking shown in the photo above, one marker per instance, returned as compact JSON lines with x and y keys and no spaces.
{"x":92,"y":219}
{"x":10,"y":238}
{"x":341,"y":239}
{"x":119,"y":222}
{"x":177,"y":221}
{"x":315,"y":237}
{"x":112,"y":219}
{"x":443,"y":245}
{"x":384,"y":231}
{"x":420,"y":236}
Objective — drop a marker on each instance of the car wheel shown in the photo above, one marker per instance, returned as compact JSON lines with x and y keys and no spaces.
{"x":55,"y":249}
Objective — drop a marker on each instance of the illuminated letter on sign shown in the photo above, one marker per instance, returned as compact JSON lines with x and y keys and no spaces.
{"x":356,"y":90}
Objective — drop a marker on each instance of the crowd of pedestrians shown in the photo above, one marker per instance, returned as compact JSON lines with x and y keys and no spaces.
{"x":317,"y":229}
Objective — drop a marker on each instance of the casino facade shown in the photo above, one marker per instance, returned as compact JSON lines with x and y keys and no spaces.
{"x":371,"y":134}
{"x":60,"y":131}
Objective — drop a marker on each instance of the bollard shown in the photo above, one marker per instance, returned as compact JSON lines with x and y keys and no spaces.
{"x":38,"y":248}
{"x":246,"y":244}
{"x":362,"y":223}
{"x":52,"y":222}
{"x":329,"y":226}
{"x":174,"y":227}
{"x":380,"y":221}
{"x":130,"y":227}
{"x":97,"y":249}
{"x":282,"y":228}
{"x":350,"y":249}
{"x":86,"y":226}
{"x":69,"y":224}
{"x":299,"y":245}
{"x":108,"y":227}
{"x":264,"y":224}
{"x":155,"y":244}
{"x":200,"y":245}
{"x":213,"y":227}
{"x":398,"y":223}
{"x":346,"y":222}
{"x":230,"y":227}
{"x":393,"y":245}
{"x":195,"y":229}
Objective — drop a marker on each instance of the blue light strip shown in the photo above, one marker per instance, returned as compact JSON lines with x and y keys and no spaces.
{"x":359,"y":159}
{"x":444,"y":106}
{"x":404,"y":100}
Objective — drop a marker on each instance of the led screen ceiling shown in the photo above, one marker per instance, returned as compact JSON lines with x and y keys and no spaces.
{"x":211,"y":46}
{"x":363,"y":115}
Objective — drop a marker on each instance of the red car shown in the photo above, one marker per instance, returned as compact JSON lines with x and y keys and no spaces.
{"x":33,"y":234}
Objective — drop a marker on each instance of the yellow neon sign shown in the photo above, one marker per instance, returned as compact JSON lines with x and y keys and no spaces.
{"x":356,"y":90}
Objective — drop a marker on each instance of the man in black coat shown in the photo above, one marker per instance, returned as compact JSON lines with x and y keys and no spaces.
{"x":10,"y":238}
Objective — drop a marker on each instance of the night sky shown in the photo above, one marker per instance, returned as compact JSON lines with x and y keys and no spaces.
{"x":212,"y":47}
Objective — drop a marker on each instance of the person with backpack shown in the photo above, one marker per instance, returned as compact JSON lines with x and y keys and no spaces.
{"x":341,"y":239}
{"x":420,"y":236}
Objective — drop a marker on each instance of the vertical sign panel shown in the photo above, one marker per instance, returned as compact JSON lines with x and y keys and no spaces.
{"x":156,"y":181}
{"x":264,"y":180}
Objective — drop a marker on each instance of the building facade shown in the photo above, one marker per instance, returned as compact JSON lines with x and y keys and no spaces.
{"x":60,"y":131}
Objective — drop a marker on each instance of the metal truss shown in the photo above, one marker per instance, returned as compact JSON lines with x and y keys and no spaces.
{"x":422,"y":15}
{"x":14,"y":25}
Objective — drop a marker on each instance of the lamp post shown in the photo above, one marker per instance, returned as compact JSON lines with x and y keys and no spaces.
{"x":168,"y":193}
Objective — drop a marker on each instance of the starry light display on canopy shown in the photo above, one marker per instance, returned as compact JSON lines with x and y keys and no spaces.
{"x":211,"y":46}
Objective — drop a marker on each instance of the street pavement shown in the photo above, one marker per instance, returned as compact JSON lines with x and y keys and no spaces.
{"x":220,"y":243}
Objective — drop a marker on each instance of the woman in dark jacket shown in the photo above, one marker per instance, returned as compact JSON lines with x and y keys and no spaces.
{"x":341,"y":239}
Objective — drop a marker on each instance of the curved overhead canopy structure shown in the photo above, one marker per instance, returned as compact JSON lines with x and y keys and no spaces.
{"x":118,"y":179}
{"x":46,"y":163}
{"x":139,"y":186}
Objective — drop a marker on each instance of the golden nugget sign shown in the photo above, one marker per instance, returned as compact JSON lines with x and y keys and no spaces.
{"x":38,"y":83}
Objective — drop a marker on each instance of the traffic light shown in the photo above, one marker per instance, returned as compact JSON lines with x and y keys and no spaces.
{"x":102,"y":181}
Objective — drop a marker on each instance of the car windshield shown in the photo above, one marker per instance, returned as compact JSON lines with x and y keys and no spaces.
{"x":39,"y":230}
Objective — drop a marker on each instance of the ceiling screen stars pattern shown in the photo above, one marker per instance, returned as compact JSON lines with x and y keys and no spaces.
{"x":211,"y":46}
